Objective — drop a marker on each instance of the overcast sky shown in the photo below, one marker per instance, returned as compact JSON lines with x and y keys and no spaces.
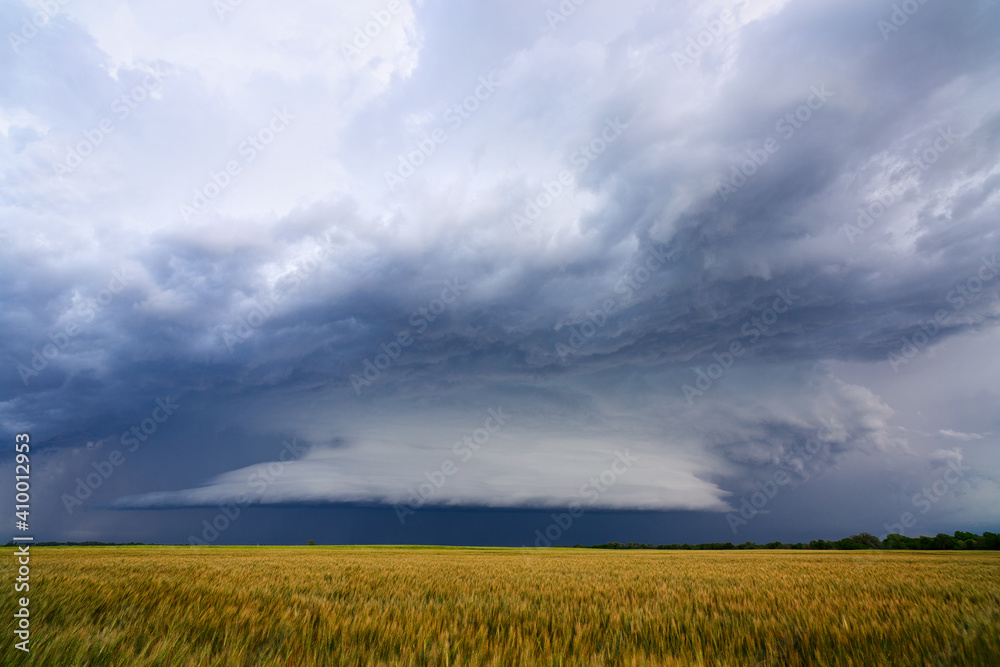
{"x":433,"y":272}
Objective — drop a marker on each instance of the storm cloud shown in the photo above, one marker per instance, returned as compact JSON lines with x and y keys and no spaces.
{"x":724,"y":238}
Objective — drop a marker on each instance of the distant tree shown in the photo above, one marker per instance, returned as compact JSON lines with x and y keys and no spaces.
{"x":893,"y":541}
{"x":943,"y":541}
{"x":311,"y":543}
{"x":868,"y":540}
{"x":961,"y":540}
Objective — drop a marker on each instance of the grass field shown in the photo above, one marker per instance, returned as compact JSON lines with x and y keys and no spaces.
{"x":449,"y":606}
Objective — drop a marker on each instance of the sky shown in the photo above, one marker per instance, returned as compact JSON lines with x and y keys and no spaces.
{"x":519,"y":273}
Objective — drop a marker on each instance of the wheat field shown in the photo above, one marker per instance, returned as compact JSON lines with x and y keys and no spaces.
{"x":484,"y":606}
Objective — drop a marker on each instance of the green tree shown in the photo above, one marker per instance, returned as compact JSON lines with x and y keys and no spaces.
{"x":868,"y":540}
{"x":893,"y":541}
{"x":943,"y":541}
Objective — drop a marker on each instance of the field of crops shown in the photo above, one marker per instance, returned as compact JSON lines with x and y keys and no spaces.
{"x":448,"y":606}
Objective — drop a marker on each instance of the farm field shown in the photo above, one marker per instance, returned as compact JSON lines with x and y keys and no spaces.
{"x":491,"y":606}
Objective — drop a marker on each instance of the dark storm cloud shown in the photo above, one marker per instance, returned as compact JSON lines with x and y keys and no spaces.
{"x":808,"y":190}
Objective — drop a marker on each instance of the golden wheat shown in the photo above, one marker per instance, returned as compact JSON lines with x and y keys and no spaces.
{"x":446,"y":606}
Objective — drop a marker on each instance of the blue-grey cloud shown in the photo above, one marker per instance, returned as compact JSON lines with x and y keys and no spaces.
{"x":697,"y":231}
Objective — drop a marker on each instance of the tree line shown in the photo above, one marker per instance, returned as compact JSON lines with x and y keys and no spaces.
{"x":960,"y":541}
